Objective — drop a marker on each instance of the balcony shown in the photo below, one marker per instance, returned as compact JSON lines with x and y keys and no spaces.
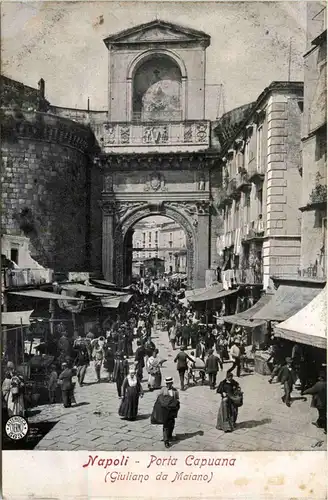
{"x":16,"y":278}
{"x":145,"y":137}
{"x":315,"y":272}
{"x":247,"y":276}
{"x":232,"y":190}
{"x":254,"y":230}
{"x":256,"y":174}
{"x":242,"y":181}
{"x":223,"y":199}
{"x":317,"y":198}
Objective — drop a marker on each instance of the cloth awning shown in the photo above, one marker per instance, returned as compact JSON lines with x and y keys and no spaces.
{"x":125,"y":298}
{"x":104,"y":283}
{"x":309,"y":325}
{"x":211,"y":293}
{"x":193,"y":293}
{"x":90,"y":289}
{"x":16,"y":318}
{"x":41,"y":294}
{"x":110,"y":302}
{"x":245,"y":318}
{"x":287,"y":300}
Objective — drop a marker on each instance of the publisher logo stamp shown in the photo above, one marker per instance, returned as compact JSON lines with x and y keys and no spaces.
{"x":16,"y":428}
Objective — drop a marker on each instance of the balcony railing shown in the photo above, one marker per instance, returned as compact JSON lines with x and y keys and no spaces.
{"x":15,"y":278}
{"x":242,"y":181}
{"x":255,"y":229}
{"x":256,"y":173}
{"x":243,"y":276}
{"x":223,"y":199}
{"x":314,"y":272}
{"x":163,"y":136}
{"x":232,"y":189}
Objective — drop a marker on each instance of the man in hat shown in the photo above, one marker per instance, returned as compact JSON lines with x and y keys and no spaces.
{"x":212,"y":367}
{"x":140,"y":359}
{"x":120,"y":371}
{"x":169,"y":399}
{"x":235,"y":356}
{"x":288,"y":378}
{"x":66,"y":384}
{"x":182,"y":364}
{"x":319,"y":400}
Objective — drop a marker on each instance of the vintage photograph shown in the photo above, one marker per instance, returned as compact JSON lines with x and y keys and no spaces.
{"x":164,"y":225}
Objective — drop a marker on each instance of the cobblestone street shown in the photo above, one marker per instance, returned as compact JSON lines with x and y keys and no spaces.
{"x":264,"y":423}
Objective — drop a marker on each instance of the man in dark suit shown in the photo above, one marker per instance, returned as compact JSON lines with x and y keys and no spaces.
{"x":319,"y":400}
{"x":288,"y":378}
{"x":120,"y":371}
{"x":66,"y":385}
{"x":181,"y":359}
{"x":140,"y":360}
{"x":212,"y":368}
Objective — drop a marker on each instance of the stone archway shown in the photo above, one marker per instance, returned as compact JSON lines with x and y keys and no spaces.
{"x":139,"y":211}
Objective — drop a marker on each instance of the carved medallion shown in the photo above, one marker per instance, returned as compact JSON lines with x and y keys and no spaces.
{"x":155,"y":182}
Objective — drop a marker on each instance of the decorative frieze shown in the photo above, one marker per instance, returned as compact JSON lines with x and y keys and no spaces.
{"x":155,"y":162}
{"x":122,"y":136}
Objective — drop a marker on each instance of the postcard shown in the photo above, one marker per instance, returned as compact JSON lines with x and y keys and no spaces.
{"x":164,"y":249}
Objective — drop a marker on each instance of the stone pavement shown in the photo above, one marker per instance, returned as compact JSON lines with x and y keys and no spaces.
{"x":264,"y":423}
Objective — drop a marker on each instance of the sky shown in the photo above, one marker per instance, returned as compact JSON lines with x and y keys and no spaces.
{"x":62,"y":42}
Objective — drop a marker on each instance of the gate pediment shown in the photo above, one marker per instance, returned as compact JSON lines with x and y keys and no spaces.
{"x":157,"y":31}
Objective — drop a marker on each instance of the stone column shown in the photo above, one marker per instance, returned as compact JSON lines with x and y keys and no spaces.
{"x":108,"y":241}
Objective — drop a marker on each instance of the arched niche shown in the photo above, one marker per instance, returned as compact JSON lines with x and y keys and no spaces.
{"x":157,"y":87}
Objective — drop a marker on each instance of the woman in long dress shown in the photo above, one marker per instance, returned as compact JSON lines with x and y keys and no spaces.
{"x":132,"y":390}
{"x":154,"y":365}
{"x":13,"y":394}
{"x":231,"y":400}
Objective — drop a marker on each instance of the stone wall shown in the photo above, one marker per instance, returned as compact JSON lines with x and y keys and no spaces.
{"x":44,"y":187}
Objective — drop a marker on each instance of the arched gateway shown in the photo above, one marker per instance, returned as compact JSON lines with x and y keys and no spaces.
{"x":121,"y":211}
{"x":137,"y":213}
{"x":155,"y":146}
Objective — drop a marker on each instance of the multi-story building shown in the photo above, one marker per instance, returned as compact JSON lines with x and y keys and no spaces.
{"x":166,"y":241}
{"x":259,"y":199}
{"x":314,"y":146}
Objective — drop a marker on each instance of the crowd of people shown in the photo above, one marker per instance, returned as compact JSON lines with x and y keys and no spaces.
{"x":199,"y":351}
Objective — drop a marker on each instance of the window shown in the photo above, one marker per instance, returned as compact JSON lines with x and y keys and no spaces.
{"x":14,"y":255}
{"x":143,"y":240}
{"x":149,"y":237}
{"x":149,"y":245}
{"x":149,"y":255}
{"x":170,"y":257}
{"x":259,"y":139}
{"x":260,"y":199}
{"x":236,"y":215}
{"x":156,"y":237}
{"x":170,"y":243}
{"x":247,"y":204}
{"x":170,"y":236}
{"x":246,"y":155}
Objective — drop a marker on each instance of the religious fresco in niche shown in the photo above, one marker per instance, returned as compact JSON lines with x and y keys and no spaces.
{"x":157,"y":90}
{"x":162,"y":101}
